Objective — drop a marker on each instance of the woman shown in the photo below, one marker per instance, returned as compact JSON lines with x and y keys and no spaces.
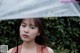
{"x":33,"y":36}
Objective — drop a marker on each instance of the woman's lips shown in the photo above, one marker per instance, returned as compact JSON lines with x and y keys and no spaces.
{"x":25,"y":36}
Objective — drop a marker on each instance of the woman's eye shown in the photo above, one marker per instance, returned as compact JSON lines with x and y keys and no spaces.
{"x":33,"y":27}
{"x":23,"y":25}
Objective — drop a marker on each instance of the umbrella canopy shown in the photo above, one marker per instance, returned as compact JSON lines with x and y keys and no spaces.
{"x":15,"y":9}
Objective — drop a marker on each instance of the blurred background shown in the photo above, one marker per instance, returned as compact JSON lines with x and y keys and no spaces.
{"x":63,"y":33}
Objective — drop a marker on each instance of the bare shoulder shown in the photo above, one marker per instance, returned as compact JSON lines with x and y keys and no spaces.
{"x":50,"y":50}
{"x":10,"y":50}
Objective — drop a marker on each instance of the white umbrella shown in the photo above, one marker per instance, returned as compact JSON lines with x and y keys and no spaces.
{"x":16,"y":9}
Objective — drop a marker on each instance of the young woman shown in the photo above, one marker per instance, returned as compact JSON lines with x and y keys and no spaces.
{"x":33,"y":37}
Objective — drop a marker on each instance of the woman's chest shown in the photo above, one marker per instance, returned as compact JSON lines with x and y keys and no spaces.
{"x":29,"y":50}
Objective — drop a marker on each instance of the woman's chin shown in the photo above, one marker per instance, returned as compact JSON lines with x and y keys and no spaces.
{"x":25,"y":40}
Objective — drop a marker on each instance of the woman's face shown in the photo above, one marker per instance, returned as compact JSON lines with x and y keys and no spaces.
{"x":28,"y":30}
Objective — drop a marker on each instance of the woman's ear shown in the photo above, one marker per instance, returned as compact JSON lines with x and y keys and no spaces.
{"x":38,"y":34}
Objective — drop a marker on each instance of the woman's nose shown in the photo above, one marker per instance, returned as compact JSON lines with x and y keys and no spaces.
{"x":26,"y":30}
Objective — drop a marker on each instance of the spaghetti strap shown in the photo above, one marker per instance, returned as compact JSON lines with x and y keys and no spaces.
{"x":45,"y":50}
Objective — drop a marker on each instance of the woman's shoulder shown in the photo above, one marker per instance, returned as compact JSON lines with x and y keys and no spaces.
{"x":10,"y":50}
{"x":14,"y":49}
{"x":50,"y":50}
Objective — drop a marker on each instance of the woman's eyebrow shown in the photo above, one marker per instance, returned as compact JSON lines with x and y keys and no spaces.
{"x":29,"y":24}
{"x":24,"y":23}
{"x":32,"y":25}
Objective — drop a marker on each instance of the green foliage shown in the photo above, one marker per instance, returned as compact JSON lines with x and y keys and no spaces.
{"x":63,"y":33}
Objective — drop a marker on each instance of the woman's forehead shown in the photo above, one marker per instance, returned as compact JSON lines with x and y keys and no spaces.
{"x":28,"y":21}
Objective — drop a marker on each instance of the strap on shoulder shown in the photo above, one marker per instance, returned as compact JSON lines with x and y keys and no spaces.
{"x":44,"y":49}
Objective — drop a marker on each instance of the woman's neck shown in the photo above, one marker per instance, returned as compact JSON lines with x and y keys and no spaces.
{"x":28,"y":45}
